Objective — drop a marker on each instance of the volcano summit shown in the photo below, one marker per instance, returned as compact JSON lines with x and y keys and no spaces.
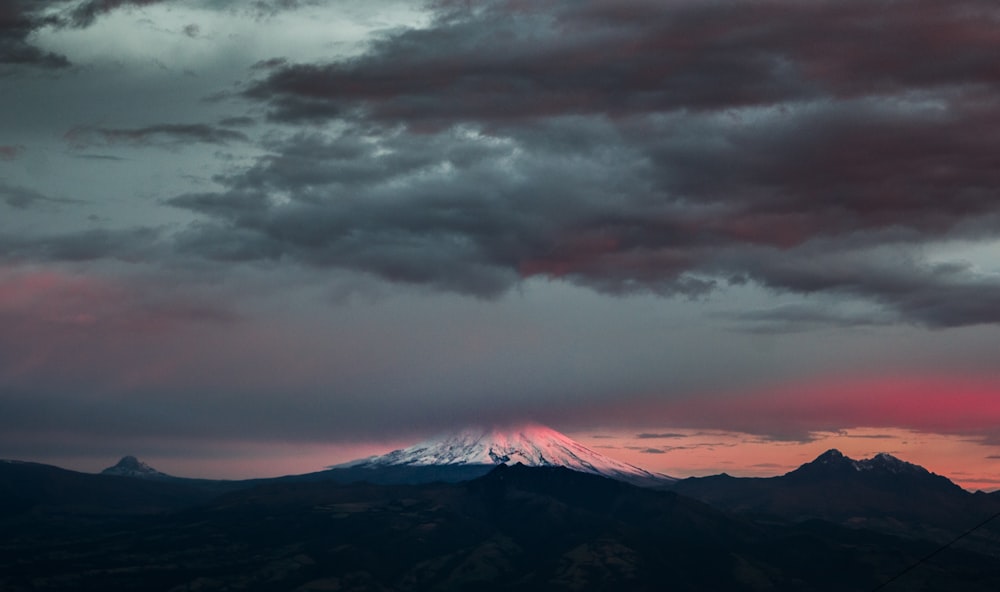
{"x":528,"y":444}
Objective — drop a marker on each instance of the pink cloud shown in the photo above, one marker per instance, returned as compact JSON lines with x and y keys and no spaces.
{"x":92,"y":328}
{"x":63,"y":298}
{"x":939,"y":404}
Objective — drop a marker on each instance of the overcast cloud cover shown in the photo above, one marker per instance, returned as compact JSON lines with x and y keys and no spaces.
{"x":321,"y":221}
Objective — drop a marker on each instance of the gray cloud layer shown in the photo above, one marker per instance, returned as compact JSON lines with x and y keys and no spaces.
{"x":637,"y":147}
{"x":805,"y":170}
{"x":24,"y":197}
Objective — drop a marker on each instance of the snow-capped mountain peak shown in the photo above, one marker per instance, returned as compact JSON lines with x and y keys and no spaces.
{"x":886,"y":462}
{"x":530,"y":444}
{"x":130,"y":466}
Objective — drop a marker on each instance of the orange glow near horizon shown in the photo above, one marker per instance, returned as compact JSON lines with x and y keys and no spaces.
{"x":968,"y":462}
{"x":681,"y":453}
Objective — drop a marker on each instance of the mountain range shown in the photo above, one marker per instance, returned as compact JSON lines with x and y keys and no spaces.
{"x":832,"y":524}
{"x":882,"y":493}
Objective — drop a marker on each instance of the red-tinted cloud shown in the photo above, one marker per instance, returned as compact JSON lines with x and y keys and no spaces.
{"x":939,"y":404}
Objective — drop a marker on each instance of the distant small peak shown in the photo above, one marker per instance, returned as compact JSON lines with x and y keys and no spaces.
{"x":131,"y":466}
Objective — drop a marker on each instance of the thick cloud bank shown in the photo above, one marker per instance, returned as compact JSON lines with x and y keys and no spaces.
{"x":810,"y":147}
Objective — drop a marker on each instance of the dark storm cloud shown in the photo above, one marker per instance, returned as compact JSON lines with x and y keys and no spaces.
{"x":503,"y":60}
{"x":636,"y":147}
{"x":153,"y":135}
{"x":18,"y":20}
{"x":348,"y":211}
{"x":938,"y":295}
{"x":455,"y":210}
{"x":586,"y":202}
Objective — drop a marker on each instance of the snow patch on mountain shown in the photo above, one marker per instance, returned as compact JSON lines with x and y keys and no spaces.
{"x":531,"y":445}
{"x":882,"y":462}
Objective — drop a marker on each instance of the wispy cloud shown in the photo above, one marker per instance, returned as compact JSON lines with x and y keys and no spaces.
{"x":664,"y":435}
{"x":23,"y":198}
{"x":153,"y":135}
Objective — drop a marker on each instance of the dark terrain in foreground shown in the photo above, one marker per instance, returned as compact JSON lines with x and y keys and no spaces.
{"x":513,"y":528}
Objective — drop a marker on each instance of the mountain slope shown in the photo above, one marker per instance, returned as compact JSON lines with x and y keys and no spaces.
{"x":530,"y":445}
{"x":38,"y":490}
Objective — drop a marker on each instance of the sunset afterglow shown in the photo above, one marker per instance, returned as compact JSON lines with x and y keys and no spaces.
{"x":252,"y":239}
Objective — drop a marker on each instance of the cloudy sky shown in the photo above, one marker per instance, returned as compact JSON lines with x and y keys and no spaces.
{"x":251,"y":238}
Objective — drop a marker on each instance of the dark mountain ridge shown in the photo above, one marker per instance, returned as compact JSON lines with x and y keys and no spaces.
{"x":41,"y":490}
{"x":882,"y":493}
{"x":832,"y":524}
{"x":525,"y":528}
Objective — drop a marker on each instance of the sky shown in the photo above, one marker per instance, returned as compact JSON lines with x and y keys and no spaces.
{"x":257,"y":238}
